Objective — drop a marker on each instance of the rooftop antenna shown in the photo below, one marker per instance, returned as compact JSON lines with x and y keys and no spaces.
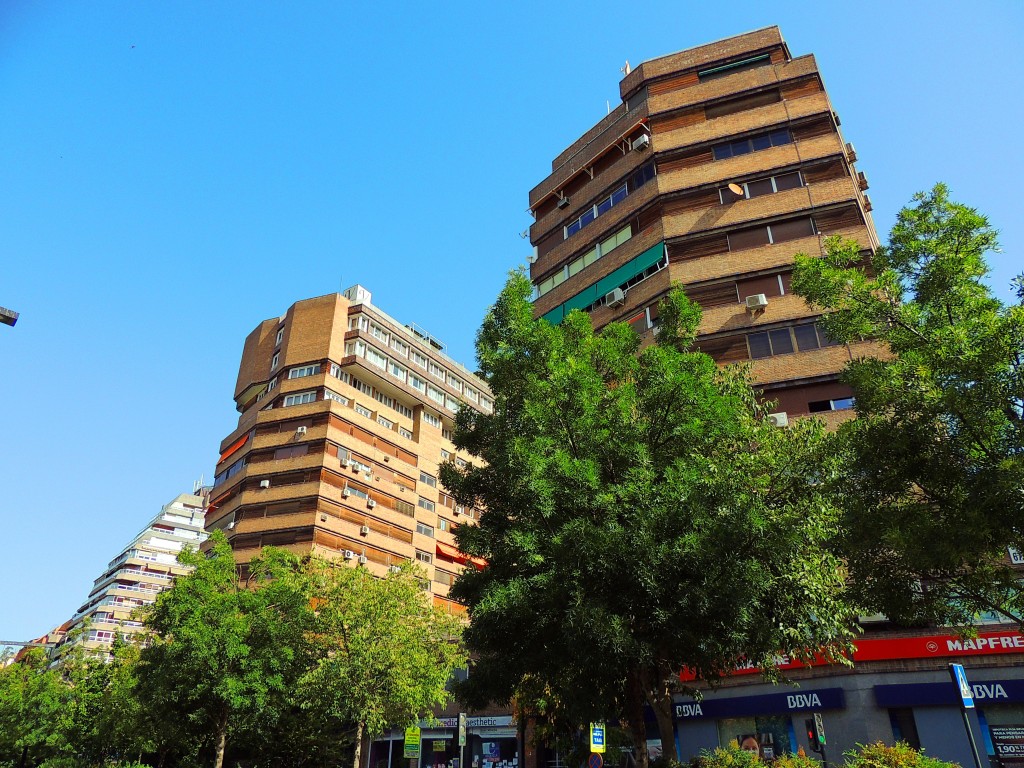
{"x":524,"y":234}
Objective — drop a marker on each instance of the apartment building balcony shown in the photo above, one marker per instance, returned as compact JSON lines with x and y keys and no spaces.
{"x":733,"y":317}
{"x":750,"y":260}
{"x":805,"y":365}
{"x":792,"y":201}
{"x":706,"y":131}
{"x":721,"y":172}
{"x":731,"y":85}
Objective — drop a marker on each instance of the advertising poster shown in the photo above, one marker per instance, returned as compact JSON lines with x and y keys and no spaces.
{"x":1008,"y":741}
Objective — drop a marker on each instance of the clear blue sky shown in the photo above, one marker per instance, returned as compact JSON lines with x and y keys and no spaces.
{"x":171,"y":173}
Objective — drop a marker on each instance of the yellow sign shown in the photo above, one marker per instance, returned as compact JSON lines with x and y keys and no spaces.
{"x":412,"y":742}
{"x":597,"y":737}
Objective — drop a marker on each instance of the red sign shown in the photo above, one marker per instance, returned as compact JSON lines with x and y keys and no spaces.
{"x":921,"y":647}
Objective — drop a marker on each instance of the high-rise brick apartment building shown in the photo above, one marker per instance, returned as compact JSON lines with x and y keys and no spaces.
{"x":345,"y":417}
{"x":722,"y":163}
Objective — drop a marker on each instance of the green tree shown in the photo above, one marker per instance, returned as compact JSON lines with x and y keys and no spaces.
{"x":933,"y":471}
{"x":33,"y":699}
{"x":225,"y":651}
{"x":639,"y":516}
{"x":383,"y":653}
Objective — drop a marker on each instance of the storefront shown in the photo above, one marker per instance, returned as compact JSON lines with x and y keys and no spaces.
{"x":491,"y":742}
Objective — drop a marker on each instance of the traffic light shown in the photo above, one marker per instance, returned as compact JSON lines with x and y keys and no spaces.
{"x":814,"y":740}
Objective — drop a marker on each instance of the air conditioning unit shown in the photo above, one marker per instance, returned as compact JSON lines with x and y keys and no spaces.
{"x":862,"y":181}
{"x":300,"y":430}
{"x":780,"y":419}
{"x":349,"y":554}
{"x":851,"y":153}
{"x":615,"y":298}
{"x":757,"y":301}
{"x":264,"y":483}
{"x":362,"y":559}
{"x":364,"y":530}
{"x":867,"y":203}
{"x":563,"y":202}
{"x":371,"y":503}
{"x":394,"y":569}
{"x":641,"y":143}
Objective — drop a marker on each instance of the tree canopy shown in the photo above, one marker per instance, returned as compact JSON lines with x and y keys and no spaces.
{"x":639,"y":516}
{"x":933,"y":467}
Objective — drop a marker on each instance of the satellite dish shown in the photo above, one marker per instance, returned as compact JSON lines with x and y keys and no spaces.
{"x":736,"y":189}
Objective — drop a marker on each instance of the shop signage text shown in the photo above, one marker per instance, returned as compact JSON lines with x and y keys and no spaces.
{"x":923,"y":647}
{"x":476,"y":722}
{"x":942,"y":694}
{"x":765,"y":704}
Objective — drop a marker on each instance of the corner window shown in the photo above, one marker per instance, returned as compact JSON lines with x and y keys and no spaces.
{"x":300,"y":398}
{"x":305,"y":370}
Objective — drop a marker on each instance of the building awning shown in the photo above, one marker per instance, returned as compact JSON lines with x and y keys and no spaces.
{"x":452,"y":553}
{"x":234,"y":447}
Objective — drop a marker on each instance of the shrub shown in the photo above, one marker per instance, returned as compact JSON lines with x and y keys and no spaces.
{"x":729,"y":757}
{"x":796,"y":760}
{"x":899,"y":755}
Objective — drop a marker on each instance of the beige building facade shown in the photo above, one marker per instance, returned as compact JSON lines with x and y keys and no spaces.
{"x":346,"y":415}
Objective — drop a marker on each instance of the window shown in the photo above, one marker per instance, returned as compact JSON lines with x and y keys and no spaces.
{"x":472,"y":394}
{"x":460,"y":462}
{"x":384,"y":399}
{"x":362,"y":411}
{"x":431,"y":419}
{"x":379,"y":333}
{"x":355,"y":491}
{"x":446,"y":434}
{"x":633,"y":183}
{"x":362,"y":386}
{"x":752,"y":144}
{"x":424,"y":557}
{"x":454,"y":383}
{"x":444,"y":525}
{"x":417,"y":358}
{"x":274,"y":360}
{"x":487,"y":404}
{"x":300,"y":398}
{"x":331,"y":395}
{"x":385,"y":422}
{"x":305,"y":370}
{"x":444,"y":577}
{"x":403,"y":409}
{"x":425,"y":529}
{"x":436,"y":370}
{"x":841,"y":404}
{"x":426,"y":504}
{"x":428,"y":479}
{"x":398,"y":371}
{"x":436,"y":395}
{"x":280,"y":335}
{"x":736,"y":66}
{"x":357,"y":348}
{"x":782,"y":341}
{"x":779,"y":232}
{"x":407,"y":434}
{"x":358,"y":323}
{"x":445,"y":455}
{"x":768,"y":186}
{"x":376,"y":358}
{"x":335,"y":370}
{"x":399,"y":346}
{"x":417,"y":383}
{"x":451,"y":403}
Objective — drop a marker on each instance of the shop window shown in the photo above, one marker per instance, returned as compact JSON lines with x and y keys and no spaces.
{"x":773,"y":735}
{"x":903,"y":726}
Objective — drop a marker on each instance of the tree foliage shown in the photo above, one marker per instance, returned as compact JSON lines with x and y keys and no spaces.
{"x":933,"y":469}
{"x":639,"y":516}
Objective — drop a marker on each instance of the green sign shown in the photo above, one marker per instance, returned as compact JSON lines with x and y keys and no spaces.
{"x":412,"y":742}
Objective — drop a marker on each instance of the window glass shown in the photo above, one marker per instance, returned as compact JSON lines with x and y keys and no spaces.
{"x":761,"y":142}
{"x":842,"y":404}
{"x":780,"y":137}
{"x":426,"y":504}
{"x":748,"y":238}
{"x":428,"y":479}
{"x":425,"y":529}
{"x":398,"y":371}
{"x":604,"y":206}
{"x":788,"y":181}
{"x":575,"y":267}
{"x":722,"y":151}
{"x":742,"y":147}
{"x":761,"y":187}
{"x":587,"y":217}
{"x":417,"y":382}
{"x":824,"y":339}
{"x":806,"y":337}
{"x":559,"y":277}
{"x":620,"y":194}
{"x":573,"y":228}
{"x":819,"y":406}
{"x":759,"y":346}
{"x":790,"y":230}
{"x":782,"y":341}
{"x":590,"y":257}
{"x":726,"y":195}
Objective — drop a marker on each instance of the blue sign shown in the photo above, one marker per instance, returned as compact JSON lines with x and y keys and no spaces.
{"x":944,"y":695}
{"x":963,"y":687}
{"x":767,"y":704}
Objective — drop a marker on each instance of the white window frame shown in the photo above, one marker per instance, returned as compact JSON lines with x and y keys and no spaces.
{"x":300,"y":398}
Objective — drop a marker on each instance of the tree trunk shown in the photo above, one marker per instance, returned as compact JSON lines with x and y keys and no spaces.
{"x":635,"y":717}
{"x":359,"y":745}
{"x":661,"y":702}
{"x":24,"y":756}
{"x":222,"y":740}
